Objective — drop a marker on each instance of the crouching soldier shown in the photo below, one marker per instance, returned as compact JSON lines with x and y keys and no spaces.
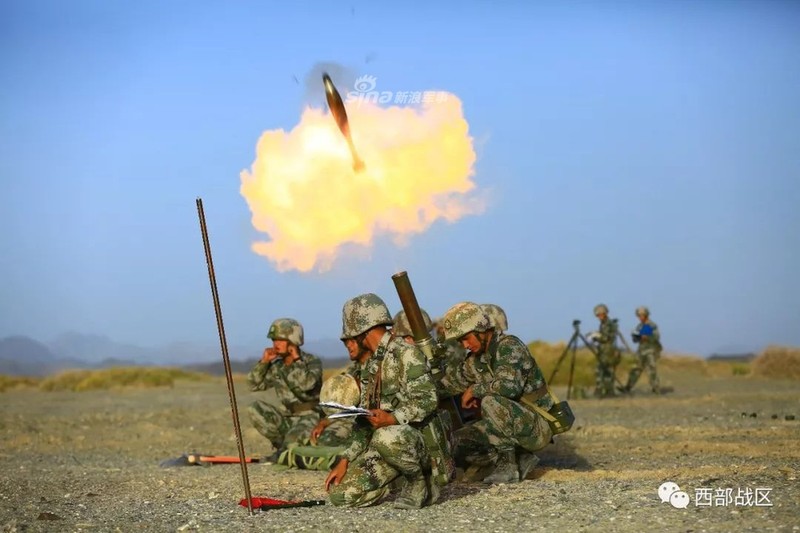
{"x":508,"y":385}
{"x":291,"y":379}
{"x":397,"y":388}
{"x":342,"y":389}
{"x":329,"y":438}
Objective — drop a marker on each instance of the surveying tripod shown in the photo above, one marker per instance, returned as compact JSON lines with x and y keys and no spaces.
{"x":572,"y":345}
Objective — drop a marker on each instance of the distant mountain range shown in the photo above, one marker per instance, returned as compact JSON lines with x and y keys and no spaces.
{"x":24,"y":356}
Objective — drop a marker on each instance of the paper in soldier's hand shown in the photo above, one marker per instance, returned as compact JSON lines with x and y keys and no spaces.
{"x":345,"y":411}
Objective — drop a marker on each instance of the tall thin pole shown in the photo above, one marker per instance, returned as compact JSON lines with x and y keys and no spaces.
{"x":225,"y":359}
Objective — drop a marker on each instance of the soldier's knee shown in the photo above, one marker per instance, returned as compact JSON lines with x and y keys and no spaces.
{"x":349,"y":496}
{"x":389,"y":435}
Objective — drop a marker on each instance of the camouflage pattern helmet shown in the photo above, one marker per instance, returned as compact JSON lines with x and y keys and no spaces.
{"x":403,"y":329}
{"x":342,"y":389}
{"x":642,"y":311}
{"x":363,"y":313}
{"x":464,"y":318}
{"x":600,"y":308}
{"x":287,"y":329}
{"x":497,"y":317}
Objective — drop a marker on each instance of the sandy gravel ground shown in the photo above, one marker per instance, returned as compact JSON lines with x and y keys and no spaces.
{"x":90,"y":462}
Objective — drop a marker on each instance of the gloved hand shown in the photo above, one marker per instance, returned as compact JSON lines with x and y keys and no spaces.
{"x":593,"y":336}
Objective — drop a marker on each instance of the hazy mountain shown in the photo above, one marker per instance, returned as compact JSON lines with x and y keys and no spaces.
{"x":96,"y":348}
{"x":23,"y":356}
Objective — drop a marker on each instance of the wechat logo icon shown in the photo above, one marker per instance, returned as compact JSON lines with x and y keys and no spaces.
{"x":671,"y":493}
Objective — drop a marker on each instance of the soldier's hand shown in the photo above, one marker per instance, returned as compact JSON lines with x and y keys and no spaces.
{"x":269,"y":355}
{"x":318,"y":429}
{"x":292,"y":355}
{"x":336,"y":474}
{"x":468,"y":401}
{"x":379,"y":418}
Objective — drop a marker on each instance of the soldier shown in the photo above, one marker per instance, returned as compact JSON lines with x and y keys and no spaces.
{"x":342,"y":389}
{"x":402,"y":328}
{"x":504,"y":380}
{"x":497,"y":317}
{"x":329,"y":437}
{"x":292,"y":378}
{"x":397,"y":388}
{"x":647,"y":336}
{"x":608,"y":355}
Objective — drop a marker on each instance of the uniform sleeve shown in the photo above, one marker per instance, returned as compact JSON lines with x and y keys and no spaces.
{"x":419,"y":398}
{"x":258,"y":376}
{"x":608,"y":332}
{"x":304,"y":377}
{"x":507,"y":380}
{"x":359,"y":439}
{"x":452,"y":379}
{"x":656,"y":333}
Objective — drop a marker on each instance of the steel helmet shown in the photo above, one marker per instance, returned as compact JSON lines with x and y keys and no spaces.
{"x":402,"y":328}
{"x":600,"y":308}
{"x":287,"y":329}
{"x":363,"y":313}
{"x":497,"y":317}
{"x":463,"y":318}
{"x":342,"y":389}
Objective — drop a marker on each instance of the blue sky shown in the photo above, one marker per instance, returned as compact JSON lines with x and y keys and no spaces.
{"x":635,"y":153}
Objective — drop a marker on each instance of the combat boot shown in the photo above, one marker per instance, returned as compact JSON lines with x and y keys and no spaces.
{"x":414,"y":493}
{"x":527,"y":461}
{"x":434,"y":490}
{"x":507,"y":470}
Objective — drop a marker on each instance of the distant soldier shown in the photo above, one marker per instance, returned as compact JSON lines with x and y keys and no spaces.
{"x":497,"y":317}
{"x":397,"y":388}
{"x":647,"y":336}
{"x":292,"y":379}
{"x":608,"y":355}
{"x":505,"y":381}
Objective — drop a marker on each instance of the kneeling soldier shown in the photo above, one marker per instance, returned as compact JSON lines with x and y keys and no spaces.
{"x":397,"y":388}
{"x":504,"y":380}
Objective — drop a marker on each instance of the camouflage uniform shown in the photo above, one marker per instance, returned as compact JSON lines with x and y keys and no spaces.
{"x":291,"y":409}
{"x":500,"y":377}
{"x":336,"y":389}
{"x":395,"y":379}
{"x":648,"y":353}
{"x":335,"y":437}
{"x":608,"y":355}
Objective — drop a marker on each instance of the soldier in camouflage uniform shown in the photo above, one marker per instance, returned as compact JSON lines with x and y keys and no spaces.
{"x":449,"y":357}
{"x":497,"y":317}
{"x":504,"y":380}
{"x":329,"y":437}
{"x":292,"y":379}
{"x":397,"y":388}
{"x":342,"y":389}
{"x":608,"y":355}
{"x":647,"y":336}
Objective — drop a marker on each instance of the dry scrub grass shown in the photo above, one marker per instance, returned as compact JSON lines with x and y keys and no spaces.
{"x":114,"y":378}
{"x":16,"y":382}
{"x":781,"y":362}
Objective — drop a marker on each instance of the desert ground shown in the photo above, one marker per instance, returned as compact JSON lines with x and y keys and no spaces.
{"x":89,"y":461}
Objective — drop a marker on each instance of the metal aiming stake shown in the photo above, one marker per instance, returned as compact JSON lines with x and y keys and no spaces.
{"x":225,"y":359}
